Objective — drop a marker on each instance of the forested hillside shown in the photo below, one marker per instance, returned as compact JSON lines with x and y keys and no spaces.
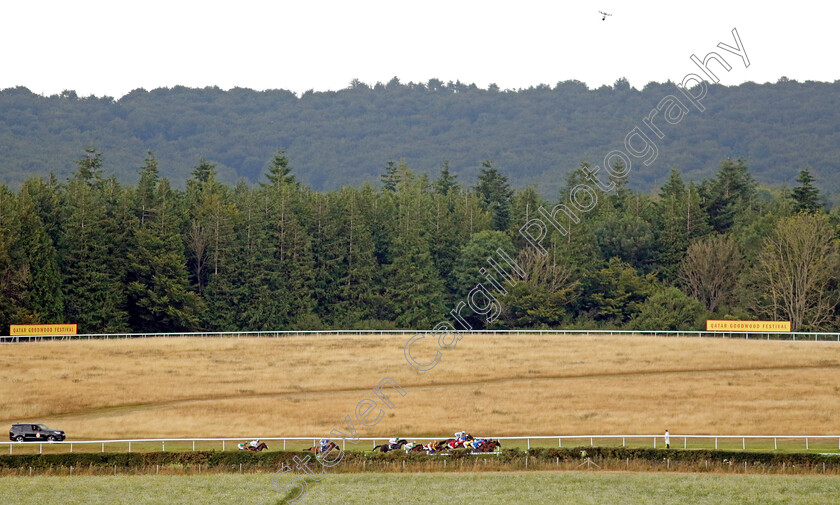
{"x":275,"y":255}
{"x":536,"y":135}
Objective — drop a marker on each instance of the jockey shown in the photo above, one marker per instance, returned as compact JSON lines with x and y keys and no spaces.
{"x":429,"y":448}
{"x":409,"y":446}
{"x":393,"y":442}
{"x":324,"y":442}
{"x":242,"y":446}
{"x":255,"y":443}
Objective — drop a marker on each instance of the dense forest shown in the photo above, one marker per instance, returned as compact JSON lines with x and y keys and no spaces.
{"x":538,"y":135}
{"x":147,"y":257}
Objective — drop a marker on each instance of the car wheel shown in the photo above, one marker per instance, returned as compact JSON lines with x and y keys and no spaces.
{"x":51,"y":438}
{"x":19,"y":438}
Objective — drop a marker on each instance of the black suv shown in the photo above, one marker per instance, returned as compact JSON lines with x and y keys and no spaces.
{"x":35,"y":432}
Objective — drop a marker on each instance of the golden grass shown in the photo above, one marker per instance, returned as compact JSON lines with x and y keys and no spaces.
{"x":490,"y":384}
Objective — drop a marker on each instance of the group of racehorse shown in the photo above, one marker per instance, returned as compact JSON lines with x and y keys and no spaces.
{"x":467,"y":442}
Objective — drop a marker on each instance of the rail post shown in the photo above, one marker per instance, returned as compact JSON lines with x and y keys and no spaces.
{"x":623,"y":441}
{"x":744,"y":444}
{"x":193,"y":445}
{"x":71,"y":447}
{"x":590,"y":442}
{"x":715,"y":443}
{"x":529,"y":444}
{"x":223,"y":446}
{"x":163,"y":445}
{"x":129,"y":446}
{"x":654,"y":442}
{"x":775,"y":444}
{"x":40,"y":448}
{"x":806,"y":443}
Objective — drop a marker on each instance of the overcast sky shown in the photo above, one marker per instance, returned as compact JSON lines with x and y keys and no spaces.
{"x":110,"y":48}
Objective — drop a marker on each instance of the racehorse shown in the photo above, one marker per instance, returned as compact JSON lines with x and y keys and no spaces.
{"x":329,"y":447}
{"x":457,"y":443}
{"x":417,"y":448}
{"x":442,"y":445}
{"x":258,"y":448}
{"x":390,"y":447}
{"x":488,"y":446}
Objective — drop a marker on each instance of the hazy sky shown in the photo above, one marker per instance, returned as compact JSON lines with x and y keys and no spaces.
{"x":110,"y":48}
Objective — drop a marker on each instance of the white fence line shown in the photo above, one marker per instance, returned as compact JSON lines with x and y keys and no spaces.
{"x":653,"y":438}
{"x":809,"y":336}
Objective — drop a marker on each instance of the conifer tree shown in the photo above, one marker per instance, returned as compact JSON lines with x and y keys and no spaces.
{"x":495,"y":195}
{"x":391,"y":177}
{"x":730,"y":193}
{"x":158,"y":289}
{"x":806,"y":197}
{"x":279,"y":171}
{"x":680,"y":220}
{"x":92,"y":266}
{"x":42,"y":288}
{"x":413,"y":286}
{"x":11,"y":310}
{"x":446,"y":183}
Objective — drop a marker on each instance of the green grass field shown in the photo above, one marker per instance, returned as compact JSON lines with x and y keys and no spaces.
{"x":462,"y":488}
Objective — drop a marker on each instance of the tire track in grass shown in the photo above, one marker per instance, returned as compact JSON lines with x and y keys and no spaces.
{"x":114,"y":410}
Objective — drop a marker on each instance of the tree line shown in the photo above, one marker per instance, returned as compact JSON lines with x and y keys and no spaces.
{"x":279,"y":255}
{"x":342,"y":137}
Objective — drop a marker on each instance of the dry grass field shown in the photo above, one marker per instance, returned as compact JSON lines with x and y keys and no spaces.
{"x":498,"y":385}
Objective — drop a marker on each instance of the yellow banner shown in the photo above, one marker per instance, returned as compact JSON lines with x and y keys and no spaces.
{"x":747,"y":325}
{"x":42,"y":329}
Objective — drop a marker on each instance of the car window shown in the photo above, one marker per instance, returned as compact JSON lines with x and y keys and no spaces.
{"x":43,"y":427}
{"x":35,"y":427}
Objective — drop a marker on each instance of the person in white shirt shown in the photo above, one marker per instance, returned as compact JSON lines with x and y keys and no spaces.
{"x":255,"y":443}
{"x":667,"y":439}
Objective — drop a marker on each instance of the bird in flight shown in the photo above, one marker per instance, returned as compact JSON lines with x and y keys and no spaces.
{"x":605,"y":15}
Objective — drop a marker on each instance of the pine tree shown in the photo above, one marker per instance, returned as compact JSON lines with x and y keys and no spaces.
{"x":391,"y":178}
{"x":159,"y":298}
{"x":729,"y":194}
{"x":679,"y":221}
{"x":806,"y":197}
{"x":357,"y":292}
{"x":290,"y":261}
{"x":89,"y":167}
{"x":11,"y":307}
{"x":93,"y":264}
{"x":43,"y":294}
{"x":279,"y":171}
{"x":446,"y":183}
{"x":210,"y":232}
{"x":495,"y":195}
{"x":413,"y":286}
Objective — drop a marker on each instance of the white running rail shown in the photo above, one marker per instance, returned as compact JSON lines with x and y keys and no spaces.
{"x":768,"y":335}
{"x":542,"y":441}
